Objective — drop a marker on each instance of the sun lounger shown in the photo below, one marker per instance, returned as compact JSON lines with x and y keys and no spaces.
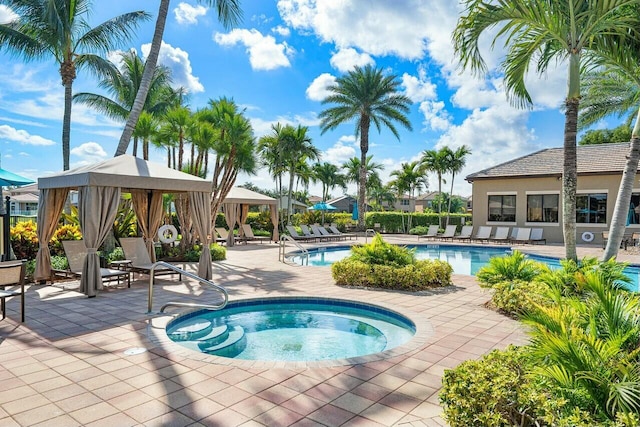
{"x":322,"y":232}
{"x":250,"y":237}
{"x":465,"y":233}
{"x":295,"y":236}
{"x":483,"y":234}
{"x":136,"y":251}
{"x":449,"y":232}
{"x":307,"y":232}
{"x":333,"y":229}
{"x":76,"y":252}
{"x":432,"y":233}
{"x":536,"y":236}
{"x":514,"y":234}
{"x":502,"y":235}
{"x":522,"y":236}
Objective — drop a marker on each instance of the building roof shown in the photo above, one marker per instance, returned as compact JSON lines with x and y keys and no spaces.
{"x":25,"y":198}
{"x":427,"y":196}
{"x":592,"y":159}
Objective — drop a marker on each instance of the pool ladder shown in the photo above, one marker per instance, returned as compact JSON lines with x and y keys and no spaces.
{"x":282,"y":256}
{"x":225,"y":295}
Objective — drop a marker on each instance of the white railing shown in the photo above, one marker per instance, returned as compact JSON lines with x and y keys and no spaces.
{"x":282,"y":256}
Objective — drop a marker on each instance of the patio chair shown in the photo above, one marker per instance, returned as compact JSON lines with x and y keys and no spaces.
{"x":249,"y":236}
{"x":136,"y":251}
{"x":307,"y":232}
{"x":12,"y":274}
{"x":502,"y":235}
{"x":295,"y":236}
{"x":465,"y":233}
{"x":324,"y":234}
{"x":523,"y":236}
{"x":483,"y":234}
{"x":514,"y":234}
{"x":333,"y":229}
{"x":536,"y":236}
{"x":432,"y":232}
{"x":449,"y":232}
{"x":224,"y":235}
{"x":76,"y":252}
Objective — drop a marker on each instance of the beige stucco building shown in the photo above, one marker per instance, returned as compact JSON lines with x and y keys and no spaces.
{"x":527,"y":192}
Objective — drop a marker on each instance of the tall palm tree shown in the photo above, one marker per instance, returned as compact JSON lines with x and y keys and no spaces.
{"x":542,"y":32}
{"x":437,"y":161}
{"x":146,"y":130}
{"x":409,"y":178}
{"x":269,"y":149}
{"x":457,"y":160}
{"x":616,"y":90}
{"x":229,"y":14}
{"x":352,"y":172}
{"x":365,"y":95}
{"x":58,"y":29}
{"x":330,"y":177}
{"x":122,"y":86}
{"x":381,"y":194}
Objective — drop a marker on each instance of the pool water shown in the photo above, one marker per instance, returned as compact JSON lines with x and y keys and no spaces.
{"x":292,"y":329}
{"x":464,"y":259}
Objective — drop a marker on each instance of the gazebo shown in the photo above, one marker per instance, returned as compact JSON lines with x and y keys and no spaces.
{"x":99,"y":187}
{"x":236,"y":208}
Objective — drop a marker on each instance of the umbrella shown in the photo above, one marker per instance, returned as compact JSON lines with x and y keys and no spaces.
{"x":322,"y":207}
{"x":10,"y":178}
{"x":354,"y":215}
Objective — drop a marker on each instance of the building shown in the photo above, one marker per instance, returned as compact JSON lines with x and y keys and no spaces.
{"x":526,"y":192}
{"x":404,"y":203}
{"x":296,"y":205}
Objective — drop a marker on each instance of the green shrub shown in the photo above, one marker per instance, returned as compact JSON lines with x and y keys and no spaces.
{"x":382,"y":253}
{"x":117,"y":254}
{"x":218,"y":252}
{"x":517,"y":297}
{"x":499,"y":391}
{"x":396,"y":222}
{"x":419,"y":230}
{"x":508,"y":268}
{"x":64,"y":232}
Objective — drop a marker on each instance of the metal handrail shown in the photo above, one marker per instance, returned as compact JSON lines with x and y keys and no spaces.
{"x":366,"y":234}
{"x":281,"y":254}
{"x":225,"y":295}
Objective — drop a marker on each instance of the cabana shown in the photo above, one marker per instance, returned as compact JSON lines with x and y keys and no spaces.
{"x":236,"y":208}
{"x":99,"y":187}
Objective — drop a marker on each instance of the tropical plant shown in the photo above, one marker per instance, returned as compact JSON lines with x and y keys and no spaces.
{"x":508,"y":268}
{"x":365,"y":95}
{"x":544,"y":33}
{"x":352,"y":173}
{"x":437,"y":161}
{"x":328,"y":174}
{"x":229,"y":14}
{"x":457,"y":160}
{"x":269,"y":150}
{"x":621,"y":133}
{"x":381,"y":195}
{"x":58,"y":29}
{"x":381,"y":252}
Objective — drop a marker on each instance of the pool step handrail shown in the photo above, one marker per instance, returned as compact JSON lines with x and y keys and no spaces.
{"x":282,"y":250}
{"x":225,"y":295}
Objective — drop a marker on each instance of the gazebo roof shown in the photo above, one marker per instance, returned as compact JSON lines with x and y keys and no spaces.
{"x":244,"y":196}
{"x":127,"y":172}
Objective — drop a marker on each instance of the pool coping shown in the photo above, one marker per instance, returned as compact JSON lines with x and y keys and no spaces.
{"x":156,"y":333}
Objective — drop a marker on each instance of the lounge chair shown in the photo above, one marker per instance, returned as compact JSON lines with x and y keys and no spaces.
{"x":483,"y":234}
{"x":536,"y":236}
{"x":12,"y":274}
{"x":250,"y":237}
{"x":432,"y":232}
{"x":333,"y":229}
{"x":465,"y":233}
{"x":502,"y":235}
{"x":324,"y":234}
{"x":307,"y":232}
{"x":449,"y":232}
{"x":76,"y":252}
{"x":514,"y":234}
{"x":136,"y":251}
{"x":523,"y":236}
{"x":295,"y":236}
{"x":224,"y":235}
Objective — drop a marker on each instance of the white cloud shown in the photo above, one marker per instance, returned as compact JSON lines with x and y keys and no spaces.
{"x":264,"y":52}
{"x":262,"y":126}
{"x":341,"y":151}
{"x":419,"y":88}
{"x":436,"y":117}
{"x":281,"y":30}
{"x":88,"y":153}
{"x":6,"y":14}
{"x":22,"y":136}
{"x":318,"y":89}
{"x":346,"y":59}
{"x":28,"y":78}
{"x":187,"y":14}
{"x":177,"y":60}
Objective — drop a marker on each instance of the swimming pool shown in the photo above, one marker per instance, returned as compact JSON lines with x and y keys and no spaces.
{"x":464,"y":259}
{"x":292,"y":329}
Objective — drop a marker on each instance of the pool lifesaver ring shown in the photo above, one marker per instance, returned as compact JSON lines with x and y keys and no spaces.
{"x":167,"y":234}
{"x":587,"y":236}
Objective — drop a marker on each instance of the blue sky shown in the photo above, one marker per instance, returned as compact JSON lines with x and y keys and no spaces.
{"x":277,"y":64}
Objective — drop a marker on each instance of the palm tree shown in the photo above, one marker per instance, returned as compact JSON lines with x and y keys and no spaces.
{"x":365,"y":95}
{"x":437,"y":161}
{"x":409,"y":178}
{"x":544,"y":32}
{"x":146,"y":130}
{"x":352,"y":172}
{"x":269,"y":149}
{"x":229,"y":14}
{"x":58,"y":29}
{"x":457,"y":160}
{"x":381,"y":194}
{"x":330,"y":177}
{"x":122,"y":85}
{"x":616,"y":90}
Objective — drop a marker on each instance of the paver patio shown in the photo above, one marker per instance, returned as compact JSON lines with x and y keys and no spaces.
{"x":67,"y":365}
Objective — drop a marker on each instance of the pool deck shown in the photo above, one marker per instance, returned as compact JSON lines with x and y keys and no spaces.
{"x":68,"y":364}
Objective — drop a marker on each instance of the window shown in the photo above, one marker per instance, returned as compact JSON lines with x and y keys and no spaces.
{"x":404,"y":202}
{"x":542,"y":207}
{"x":591,"y":208}
{"x":634,"y":209}
{"x":502,"y":208}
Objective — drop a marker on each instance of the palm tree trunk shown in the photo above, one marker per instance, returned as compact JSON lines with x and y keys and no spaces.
{"x":570,"y":179}
{"x":362,"y":185}
{"x":291,"y":176}
{"x":439,"y":199}
{"x":145,"y":82}
{"x":135,"y":147}
{"x":66,"y":124}
{"x":453,"y":175}
{"x":145,"y":148}
{"x":621,"y":209}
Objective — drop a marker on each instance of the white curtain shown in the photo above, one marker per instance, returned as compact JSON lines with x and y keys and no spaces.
{"x":201,"y":217}
{"x":50,"y":207}
{"x":231,"y":213}
{"x":97,"y":209}
{"x":148,"y":208}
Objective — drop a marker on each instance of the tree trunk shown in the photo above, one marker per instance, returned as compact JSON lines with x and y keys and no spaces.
{"x":145,"y":148}
{"x":570,"y":179}
{"x":289,"y":201}
{"x":66,"y":124}
{"x":145,"y":82}
{"x":621,"y":209}
{"x":134,"y":151}
{"x":362,"y":185}
{"x":453,"y":175}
